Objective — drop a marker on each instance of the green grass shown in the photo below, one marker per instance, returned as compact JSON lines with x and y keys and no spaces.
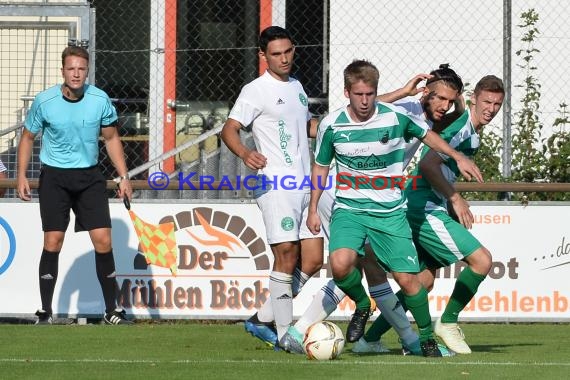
{"x":224,"y":351}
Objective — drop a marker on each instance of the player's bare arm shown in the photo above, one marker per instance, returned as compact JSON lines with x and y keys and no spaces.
{"x":319,"y":174}
{"x":430,"y":166}
{"x":312,"y":126}
{"x":468,"y":168}
{"x":230,"y":135}
{"x":410,"y":89}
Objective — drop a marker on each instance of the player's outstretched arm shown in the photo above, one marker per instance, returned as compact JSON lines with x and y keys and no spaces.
{"x":468,"y":168}
{"x":430,"y":166}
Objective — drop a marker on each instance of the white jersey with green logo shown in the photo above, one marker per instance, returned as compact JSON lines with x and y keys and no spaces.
{"x":369,"y":156}
{"x":462,"y":137}
{"x":279,"y":113}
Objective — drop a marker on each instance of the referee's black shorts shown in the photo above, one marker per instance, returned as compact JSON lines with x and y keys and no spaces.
{"x":82,"y":190}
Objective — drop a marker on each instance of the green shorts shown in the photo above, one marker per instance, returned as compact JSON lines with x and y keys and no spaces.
{"x":389,"y":236}
{"x":440,"y":240}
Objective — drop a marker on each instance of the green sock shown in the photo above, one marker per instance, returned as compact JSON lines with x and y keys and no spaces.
{"x":419,"y":307}
{"x":352,"y":286}
{"x":464,"y":290}
{"x":380,"y":326}
{"x":402,"y":297}
{"x":377,"y":329}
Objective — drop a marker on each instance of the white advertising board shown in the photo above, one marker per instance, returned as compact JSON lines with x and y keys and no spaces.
{"x":224,"y":261}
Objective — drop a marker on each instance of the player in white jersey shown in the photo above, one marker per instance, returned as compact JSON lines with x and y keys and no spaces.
{"x":277,"y":107}
{"x":367,"y":139}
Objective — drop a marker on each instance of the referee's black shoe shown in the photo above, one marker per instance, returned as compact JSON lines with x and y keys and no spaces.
{"x":117,"y":317}
{"x":44,"y":318}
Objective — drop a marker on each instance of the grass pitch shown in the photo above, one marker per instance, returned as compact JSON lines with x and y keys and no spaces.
{"x":224,"y":351}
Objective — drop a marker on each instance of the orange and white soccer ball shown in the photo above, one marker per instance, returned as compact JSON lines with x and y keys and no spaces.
{"x":323,"y":341}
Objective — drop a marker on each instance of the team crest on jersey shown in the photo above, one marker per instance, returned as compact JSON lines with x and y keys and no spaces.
{"x":384,"y":138}
{"x":303,"y":99}
{"x":287,"y":223}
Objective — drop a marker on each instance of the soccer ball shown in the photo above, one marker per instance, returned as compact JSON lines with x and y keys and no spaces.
{"x":323,"y":341}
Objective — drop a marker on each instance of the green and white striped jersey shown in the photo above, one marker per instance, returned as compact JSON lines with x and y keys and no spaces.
{"x":369,"y":156}
{"x":462,"y":137}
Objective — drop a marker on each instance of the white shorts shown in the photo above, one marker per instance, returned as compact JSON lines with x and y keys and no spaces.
{"x":285,"y":216}
{"x":325,"y":207}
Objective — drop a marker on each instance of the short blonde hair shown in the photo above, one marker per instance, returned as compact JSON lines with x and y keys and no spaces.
{"x":361,"y":70}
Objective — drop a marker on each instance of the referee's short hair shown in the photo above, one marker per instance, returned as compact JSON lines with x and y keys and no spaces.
{"x":75,"y":51}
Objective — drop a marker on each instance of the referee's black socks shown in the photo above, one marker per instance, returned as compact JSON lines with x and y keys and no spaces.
{"x":105,"y":266}
{"x":48,"y":277}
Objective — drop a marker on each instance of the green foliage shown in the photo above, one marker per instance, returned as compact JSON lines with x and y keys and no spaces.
{"x":535,"y":158}
{"x":559,"y":147}
{"x":527,"y":160}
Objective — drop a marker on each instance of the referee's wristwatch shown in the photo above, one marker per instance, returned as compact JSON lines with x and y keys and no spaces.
{"x":123,"y":177}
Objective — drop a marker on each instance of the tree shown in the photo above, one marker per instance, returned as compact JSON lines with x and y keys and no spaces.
{"x":534,"y":157}
{"x":558,"y":145}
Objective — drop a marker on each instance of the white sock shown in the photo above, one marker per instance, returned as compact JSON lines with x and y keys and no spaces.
{"x":281,"y":296}
{"x":299,"y":279}
{"x":393,"y":312}
{"x":265,"y":313}
{"x":323,"y":304}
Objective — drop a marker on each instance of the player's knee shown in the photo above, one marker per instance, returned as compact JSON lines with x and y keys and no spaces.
{"x":311,"y":263}
{"x":428,"y":284}
{"x":409,"y":283}
{"x":341,"y":264}
{"x":102,"y":243}
{"x":312,"y":268}
{"x":53,"y":246}
{"x":427,"y":278}
{"x":339,"y":269}
{"x":481,"y":261}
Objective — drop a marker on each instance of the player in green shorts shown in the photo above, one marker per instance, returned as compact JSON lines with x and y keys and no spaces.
{"x":443,"y":239}
{"x":367,"y":139}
